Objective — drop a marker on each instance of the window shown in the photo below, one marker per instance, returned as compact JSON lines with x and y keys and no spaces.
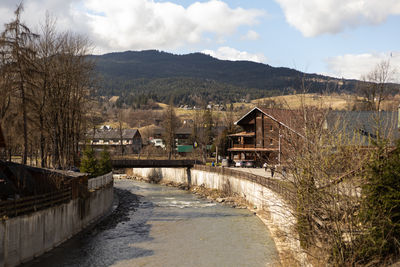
{"x":270,"y":141}
{"x":270,"y":128}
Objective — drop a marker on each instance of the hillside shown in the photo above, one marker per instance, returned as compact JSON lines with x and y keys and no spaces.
{"x":158,"y":75}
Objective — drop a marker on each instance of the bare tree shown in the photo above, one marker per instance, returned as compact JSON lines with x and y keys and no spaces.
{"x":170,"y":124}
{"x":374,"y":86}
{"x":17,"y":43}
{"x":120,"y":119}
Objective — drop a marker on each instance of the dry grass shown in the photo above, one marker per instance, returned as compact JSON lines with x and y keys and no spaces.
{"x":113,"y":99}
{"x":334,"y":101}
{"x":315,"y":100}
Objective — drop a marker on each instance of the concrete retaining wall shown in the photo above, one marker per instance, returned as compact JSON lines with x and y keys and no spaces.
{"x":25,"y":237}
{"x":279,"y":218}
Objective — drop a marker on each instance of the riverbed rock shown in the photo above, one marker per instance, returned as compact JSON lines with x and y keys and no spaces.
{"x":220,"y":199}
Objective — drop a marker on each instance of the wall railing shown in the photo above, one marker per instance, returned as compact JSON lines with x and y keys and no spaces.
{"x":273,"y":184}
{"x":100,"y":181}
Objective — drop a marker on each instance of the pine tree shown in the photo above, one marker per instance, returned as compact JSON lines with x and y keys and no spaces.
{"x":89,"y":162}
{"x":380,"y":209}
{"x":104,"y":164}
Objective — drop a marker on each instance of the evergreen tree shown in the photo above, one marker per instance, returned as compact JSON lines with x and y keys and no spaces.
{"x":380,"y":209}
{"x":104,"y":164}
{"x":89,"y":162}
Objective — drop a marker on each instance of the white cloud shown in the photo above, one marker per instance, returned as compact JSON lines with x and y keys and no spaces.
{"x":314,"y":17}
{"x":251,"y":35}
{"x":138,"y":24}
{"x":229,"y":53}
{"x":354,"y":66}
{"x":143,"y":24}
{"x":66,"y":12}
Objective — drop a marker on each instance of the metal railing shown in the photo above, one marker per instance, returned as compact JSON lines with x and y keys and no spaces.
{"x":272,"y":184}
{"x":100,"y":181}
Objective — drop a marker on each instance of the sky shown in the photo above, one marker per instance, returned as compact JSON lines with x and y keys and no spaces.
{"x":340,"y":38}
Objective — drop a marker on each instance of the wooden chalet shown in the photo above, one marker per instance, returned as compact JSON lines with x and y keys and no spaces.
{"x":261,"y":138}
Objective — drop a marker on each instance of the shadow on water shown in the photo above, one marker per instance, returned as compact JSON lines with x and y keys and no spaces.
{"x":111,"y":240}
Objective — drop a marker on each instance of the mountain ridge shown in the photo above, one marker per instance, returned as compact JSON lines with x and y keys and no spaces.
{"x":131,"y":71}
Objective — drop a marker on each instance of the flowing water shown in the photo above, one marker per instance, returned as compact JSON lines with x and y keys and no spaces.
{"x":162,"y":226}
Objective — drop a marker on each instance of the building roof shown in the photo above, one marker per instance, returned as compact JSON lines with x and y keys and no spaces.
{"x":287,"y":118}
{"x":366,"y":124}
{"x":113,"y":134}
{"x":2,"y":140}
{"x":182,"y":131}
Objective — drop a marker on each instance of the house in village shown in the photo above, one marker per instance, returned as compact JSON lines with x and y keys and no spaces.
{"x":182,"y":135}
{"x":184,"y":140}
{"x":111,"y":139}
{"x":263,"y":138}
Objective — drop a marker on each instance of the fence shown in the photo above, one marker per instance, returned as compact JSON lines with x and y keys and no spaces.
{"x":13,"y":208}
{"x":100,"y":181}
{"x":75,"y":187}
{"x":273,"y":184}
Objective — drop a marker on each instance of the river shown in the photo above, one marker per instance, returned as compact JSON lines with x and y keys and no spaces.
{"x":156,"y":225}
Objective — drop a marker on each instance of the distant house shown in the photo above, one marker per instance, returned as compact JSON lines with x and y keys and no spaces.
{"x":263,"y":138}
{"x":131,"y":140}
{"x":182,"y":135}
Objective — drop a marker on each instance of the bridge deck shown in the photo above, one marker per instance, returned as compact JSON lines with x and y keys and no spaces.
{"x":151,"y":163}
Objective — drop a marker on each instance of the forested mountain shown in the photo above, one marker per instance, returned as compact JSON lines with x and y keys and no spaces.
{"x":160,"y":75}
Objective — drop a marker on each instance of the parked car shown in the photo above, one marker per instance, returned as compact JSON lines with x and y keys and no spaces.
{"x":239,"y":163}
{"x":249,"y":164}
{"x":158,"y":143}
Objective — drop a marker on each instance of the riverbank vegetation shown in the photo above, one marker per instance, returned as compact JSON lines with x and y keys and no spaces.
{"x":345,"y":190}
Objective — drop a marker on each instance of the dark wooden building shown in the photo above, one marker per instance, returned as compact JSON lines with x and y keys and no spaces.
{"x":261,"y":138}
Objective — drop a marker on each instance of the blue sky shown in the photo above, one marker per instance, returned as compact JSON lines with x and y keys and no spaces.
{"x":342,"y":38}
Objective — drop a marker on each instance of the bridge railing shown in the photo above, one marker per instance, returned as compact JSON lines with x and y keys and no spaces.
{"x":273,"y":184}
{"x":100,"y":181}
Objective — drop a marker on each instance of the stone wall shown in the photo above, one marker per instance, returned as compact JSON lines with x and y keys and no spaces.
{"x":25,"y":237}
{"x":276,"y":213}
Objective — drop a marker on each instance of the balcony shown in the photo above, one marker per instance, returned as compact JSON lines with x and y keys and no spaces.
{"x":243,"y":146}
